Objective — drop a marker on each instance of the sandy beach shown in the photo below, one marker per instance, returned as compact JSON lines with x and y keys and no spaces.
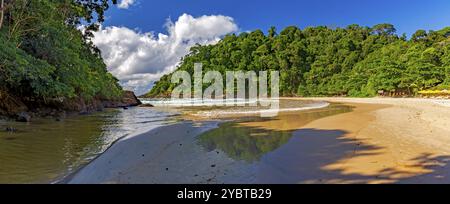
{"x":380,"y":140}
{"x":395,"y":141}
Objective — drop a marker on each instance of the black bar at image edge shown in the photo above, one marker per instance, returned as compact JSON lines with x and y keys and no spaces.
{"x":212,"y":193}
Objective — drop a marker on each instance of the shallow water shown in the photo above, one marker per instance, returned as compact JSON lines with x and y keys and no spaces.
{"x":221,"y":109}
{"x":249,"y":139}
{"x":44,"y":150}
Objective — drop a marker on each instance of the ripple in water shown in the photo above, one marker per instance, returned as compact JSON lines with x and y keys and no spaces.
{"x":44,"y":150}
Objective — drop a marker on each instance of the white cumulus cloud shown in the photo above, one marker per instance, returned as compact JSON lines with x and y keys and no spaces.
{"x":138,"y":59}
{"x":125,"y":4}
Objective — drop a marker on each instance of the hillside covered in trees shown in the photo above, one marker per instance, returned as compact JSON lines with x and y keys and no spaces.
{"x":320,"y":61}
{"x":46,"y":60}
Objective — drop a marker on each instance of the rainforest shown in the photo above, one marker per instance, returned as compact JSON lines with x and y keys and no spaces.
{"x":355,"y":61}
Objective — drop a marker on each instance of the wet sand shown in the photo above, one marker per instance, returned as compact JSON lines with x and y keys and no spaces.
{"x":380,"y":141}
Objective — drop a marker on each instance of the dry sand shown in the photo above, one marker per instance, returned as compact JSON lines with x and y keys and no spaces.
{"x":396,"y":141}
{"x":380,"y":141}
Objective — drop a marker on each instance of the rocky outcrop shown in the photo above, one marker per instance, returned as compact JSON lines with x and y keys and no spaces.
{"x":13,"y":107}
{"x":24,"y":110}
{"x":82,"y":106}
{"x":128,"y":99}
{"x":23,"y":117}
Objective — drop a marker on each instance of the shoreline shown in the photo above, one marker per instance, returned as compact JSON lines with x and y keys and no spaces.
{"x":100,"y":170}
{"x":46,"y":151}
{"x":404,"y":142}
{"x":380,"y":141}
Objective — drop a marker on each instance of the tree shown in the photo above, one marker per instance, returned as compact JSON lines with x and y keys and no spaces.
{"x":272,"y":32}
{"x":2,"y":12}
{"x":384,"y":29}
{"x":319,"y":61}
{"x":419,"y":35}
{"x":90,"y":10}
{"x":46,"y":57}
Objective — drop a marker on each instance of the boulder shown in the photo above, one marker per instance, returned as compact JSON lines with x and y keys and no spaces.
{"x":129,"y":99}
{"x":23,"y":117}
{"x":61,"y":116}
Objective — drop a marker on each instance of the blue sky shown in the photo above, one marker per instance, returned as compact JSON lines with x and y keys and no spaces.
{"x":406,"y":15}
{"x":139,"y":45}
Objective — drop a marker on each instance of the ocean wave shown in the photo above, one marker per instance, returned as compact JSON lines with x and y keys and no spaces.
{"x":204,"y":102}
{"x":443,"y":102}
{"x":224,"y":113}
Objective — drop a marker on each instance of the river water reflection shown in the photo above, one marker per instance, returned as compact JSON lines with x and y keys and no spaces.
{"x":46,"y":150}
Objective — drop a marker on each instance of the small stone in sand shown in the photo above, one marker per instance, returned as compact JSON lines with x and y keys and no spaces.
{"x":10,"y":129}
{"x":213,"y":165}
{"x":23,"y":117}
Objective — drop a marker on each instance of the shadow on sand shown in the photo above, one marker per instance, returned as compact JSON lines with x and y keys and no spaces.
{"x":316,"y":156}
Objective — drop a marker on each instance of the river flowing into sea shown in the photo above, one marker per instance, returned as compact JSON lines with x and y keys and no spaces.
{"x":45,"y":150}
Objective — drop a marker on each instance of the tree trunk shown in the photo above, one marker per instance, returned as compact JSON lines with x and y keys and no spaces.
{"x":2,"y":8}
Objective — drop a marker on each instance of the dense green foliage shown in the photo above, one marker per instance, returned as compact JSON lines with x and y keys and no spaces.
{"x":320,"y":61}
{"x":44,"y":56}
